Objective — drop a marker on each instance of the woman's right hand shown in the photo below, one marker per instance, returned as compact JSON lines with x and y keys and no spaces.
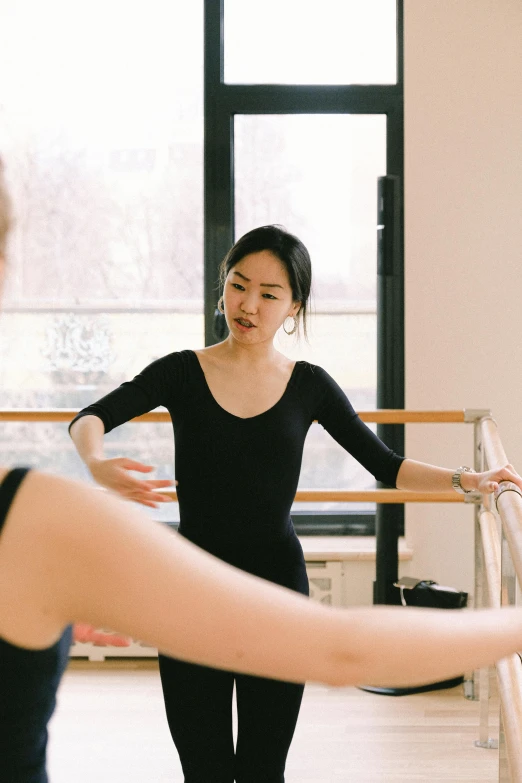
{"x":115,"y":474}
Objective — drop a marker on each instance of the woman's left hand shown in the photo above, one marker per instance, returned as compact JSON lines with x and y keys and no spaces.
{"x":490,"y":479}
{"x":87,"y":633}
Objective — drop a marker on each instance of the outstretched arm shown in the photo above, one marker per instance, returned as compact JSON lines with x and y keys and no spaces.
{"x":335,"y":412}
{"x":159,"y":381}
{"x":429,"y":478}
{"x":84,"y":556}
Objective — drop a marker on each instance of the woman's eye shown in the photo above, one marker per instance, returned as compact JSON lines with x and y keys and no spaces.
{"x":238,"y":286}
{"x":269,"y":296}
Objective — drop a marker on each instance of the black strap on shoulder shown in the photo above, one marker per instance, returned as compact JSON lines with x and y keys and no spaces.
{"x":8,"y":489}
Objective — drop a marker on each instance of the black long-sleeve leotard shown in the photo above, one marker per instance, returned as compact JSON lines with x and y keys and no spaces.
{"x":237,"y":477}
{"x":28,"y":683}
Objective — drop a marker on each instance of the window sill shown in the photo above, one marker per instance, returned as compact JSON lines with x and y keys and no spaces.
{"x":345,"y":548}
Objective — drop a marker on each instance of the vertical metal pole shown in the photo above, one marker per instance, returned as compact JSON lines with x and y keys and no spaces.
{"x":390,"y":374}
{"x":218,"y":164}
{"x":475,"y":690}
{"x":481,"y":677}
{"x":508,"y":598}
{"x":504,"y":775}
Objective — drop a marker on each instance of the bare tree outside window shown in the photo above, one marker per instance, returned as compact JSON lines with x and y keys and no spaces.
{"x":101,"y":132}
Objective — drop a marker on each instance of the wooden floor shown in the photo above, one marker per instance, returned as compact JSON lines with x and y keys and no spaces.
{"x":110,"y":728}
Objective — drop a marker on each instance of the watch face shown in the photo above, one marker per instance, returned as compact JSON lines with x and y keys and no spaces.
{"x":455,"y":480}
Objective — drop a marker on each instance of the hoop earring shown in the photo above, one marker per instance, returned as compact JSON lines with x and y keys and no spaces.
{"x":220,"y":306}
{"x":294,"y":328}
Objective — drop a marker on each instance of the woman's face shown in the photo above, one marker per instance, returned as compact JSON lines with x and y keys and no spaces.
{"x":257,"y":298}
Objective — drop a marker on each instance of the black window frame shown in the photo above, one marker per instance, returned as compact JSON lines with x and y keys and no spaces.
{"x":221,"y":103}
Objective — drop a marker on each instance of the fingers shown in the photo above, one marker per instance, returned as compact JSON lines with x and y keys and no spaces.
{"x":492,"y":479}
{"x":146,"y":484}
{"x":145,"y":490}
{"x":158,"y":483}
{"x":146,"y":487}
{"x":151,"y":499}
{"x":116,"y":475}
{"x":508,"y":473}
{"x":112,"y":640}
{"x":143,"y":500}
{"x":130,"y":464}
{"x":87,"y":633}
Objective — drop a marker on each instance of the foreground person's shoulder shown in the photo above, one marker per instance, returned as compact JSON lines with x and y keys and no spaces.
{"x":51,"y":495}
{"x":45,"y":488}
{"x":67,"y":512}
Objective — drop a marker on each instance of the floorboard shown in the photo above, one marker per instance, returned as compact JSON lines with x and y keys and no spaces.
{"x":110,"y":728}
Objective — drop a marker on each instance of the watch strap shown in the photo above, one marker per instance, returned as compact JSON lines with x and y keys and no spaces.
{"x":455,"y":480}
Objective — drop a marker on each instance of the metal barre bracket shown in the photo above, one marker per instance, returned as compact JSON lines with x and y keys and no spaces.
{"x":476,"y":414}
{"x":489,"y":744}
{"x":506,"y":486}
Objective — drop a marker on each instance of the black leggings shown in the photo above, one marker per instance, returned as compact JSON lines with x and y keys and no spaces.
{"x":198,"y":702}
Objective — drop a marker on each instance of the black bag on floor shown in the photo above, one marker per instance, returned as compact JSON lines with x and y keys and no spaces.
{"x":428,"y":594}
{"x":425,"y":592}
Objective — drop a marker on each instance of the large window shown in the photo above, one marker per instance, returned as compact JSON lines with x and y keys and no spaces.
{"x":306,"y":42}
{"x":303,"y":116}
{"x":101,"y":132}
{"x":140,"y":140}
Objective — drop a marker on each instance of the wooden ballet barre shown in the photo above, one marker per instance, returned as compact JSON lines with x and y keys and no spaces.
{"x":375,"y":496}
{"x":384,"y":416}
{"x":367,"y":496}
{"x":509,"y":670}
{"x":391,"y":416}
{"x":42,"y":415}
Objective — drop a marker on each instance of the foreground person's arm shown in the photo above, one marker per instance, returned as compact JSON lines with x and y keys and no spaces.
{"x":70,"y":553}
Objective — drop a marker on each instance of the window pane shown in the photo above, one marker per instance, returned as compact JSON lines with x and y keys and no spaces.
{"x":317,"y":175}
{"x":101,"y":131}
{"x":304,"y":42}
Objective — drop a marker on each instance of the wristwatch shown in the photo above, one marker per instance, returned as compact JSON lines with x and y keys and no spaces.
{"x":455,"y":480}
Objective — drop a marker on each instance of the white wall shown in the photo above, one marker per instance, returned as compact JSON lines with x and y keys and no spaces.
{"x":463,"y":205}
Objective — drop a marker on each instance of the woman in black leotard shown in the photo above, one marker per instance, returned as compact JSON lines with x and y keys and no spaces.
{"x":69,"y":553}
{"x":241,"y":412}
{"x":238,"y":456}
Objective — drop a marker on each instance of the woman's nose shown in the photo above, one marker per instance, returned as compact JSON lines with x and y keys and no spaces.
{"x":249,"y":303}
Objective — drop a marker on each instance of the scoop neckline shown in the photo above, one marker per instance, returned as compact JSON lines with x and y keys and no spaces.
{"x":233,"y":415}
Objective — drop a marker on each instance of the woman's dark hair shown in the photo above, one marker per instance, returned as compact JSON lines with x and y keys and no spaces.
{"x":288,"y":249}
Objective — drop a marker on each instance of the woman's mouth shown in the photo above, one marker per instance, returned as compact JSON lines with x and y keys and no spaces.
{"x":244,"y":324}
